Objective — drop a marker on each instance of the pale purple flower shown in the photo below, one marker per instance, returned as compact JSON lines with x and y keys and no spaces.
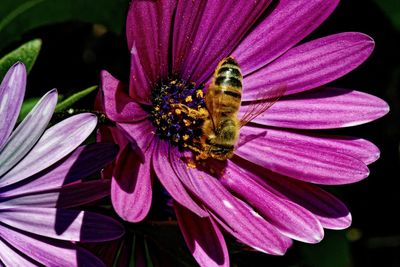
{"x":265,"y":195}
{"x":40,"y":181}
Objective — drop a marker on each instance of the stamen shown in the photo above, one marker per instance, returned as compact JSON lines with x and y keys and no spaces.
{"x":169,"y":114}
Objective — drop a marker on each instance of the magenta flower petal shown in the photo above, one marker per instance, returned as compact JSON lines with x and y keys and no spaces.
{"x":174,"y":186}
{"x":11,"y":257}
{"x":325,"y":108}
{"x":134,"y":132}
{"x":131,"y":187}
{"x":203,"y":237}
{"x":40,"y":221}
{"x":311,"y":65}
{"x":148,"y":28}
{"x":308,"y":164}
{"x":267,"y":41}
{"x":139,"y":84}
{"x":289,"y":218}
{"x":188,"y":20}
{"x":357,"y":148}
{"x":215,"y":34}
{"x":113,"y":135}
{"x":117,"y":104}
{"x":236,"y":217}
{"x":48,"y":252}
{"x":329,"y":210}
{"x":28,"y":132}
{"x":12,"y":91}
{"x":55,"y":143}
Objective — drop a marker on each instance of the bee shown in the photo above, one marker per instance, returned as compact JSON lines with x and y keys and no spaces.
{"x":221,"y":124}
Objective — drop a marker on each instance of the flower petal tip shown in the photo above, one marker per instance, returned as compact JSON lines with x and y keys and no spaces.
{"x":362,"y":37}
{"x":317,"y":237}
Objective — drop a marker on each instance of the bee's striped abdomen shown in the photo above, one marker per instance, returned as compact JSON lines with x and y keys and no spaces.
{"x":228,"y":74}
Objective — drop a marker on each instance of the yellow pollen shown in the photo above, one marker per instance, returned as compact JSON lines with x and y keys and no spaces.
{"x":191,"y":165}
{"x":178,"y":111}
{"x":188,"y":99}
{"x":157,"y":108}
{"x":185,"y":137}
{"x":199,"y":93}
{"x":187,"y":122}
{"x":173,"y":82}
{"x":203,"y":111}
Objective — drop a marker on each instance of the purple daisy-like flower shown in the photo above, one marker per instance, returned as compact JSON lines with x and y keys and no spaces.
{"x":264,"y":196}
{"x":40,"y":181}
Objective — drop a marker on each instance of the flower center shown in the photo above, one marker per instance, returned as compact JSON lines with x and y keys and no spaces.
{"x":166,"y":114}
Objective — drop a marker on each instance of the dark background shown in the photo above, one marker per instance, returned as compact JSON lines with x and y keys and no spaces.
{"x":73,"y":53}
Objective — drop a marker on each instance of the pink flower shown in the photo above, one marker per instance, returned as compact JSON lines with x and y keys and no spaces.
{"x":265,"y":196}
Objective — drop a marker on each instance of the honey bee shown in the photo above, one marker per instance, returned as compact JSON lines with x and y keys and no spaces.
{"x":223,"y":99}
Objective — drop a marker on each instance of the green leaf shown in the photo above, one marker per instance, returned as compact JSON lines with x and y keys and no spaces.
{"x":20,"y":16}
{"x":26,"y":53}
{"x":333,"y":251}
{"x":392,"y":10}
{"x":73,"y":99}
{"x":149,"y":262}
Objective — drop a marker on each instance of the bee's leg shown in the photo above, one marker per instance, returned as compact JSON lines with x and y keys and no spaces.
{"x":201,"y":152}
{"x":193,"y":113}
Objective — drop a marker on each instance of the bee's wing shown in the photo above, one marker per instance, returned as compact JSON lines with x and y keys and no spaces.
{"x":267,"y":99}
{"x":212,"y":104}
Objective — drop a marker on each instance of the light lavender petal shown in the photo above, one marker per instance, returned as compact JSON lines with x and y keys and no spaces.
{"x":28,"y":132}
{"x":325,"y":108}
{"x":49,"y":252}
{"x":10,"y":257}
{"x":84,"y":161}
{"x":203,"y":238}
{"x":62,"y":224}
{"x":12,"y":91}
{"x":73,"y":195}
{"x":311,"y":65}
{"x":56,"y":143}
{"x":271,"y":38}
